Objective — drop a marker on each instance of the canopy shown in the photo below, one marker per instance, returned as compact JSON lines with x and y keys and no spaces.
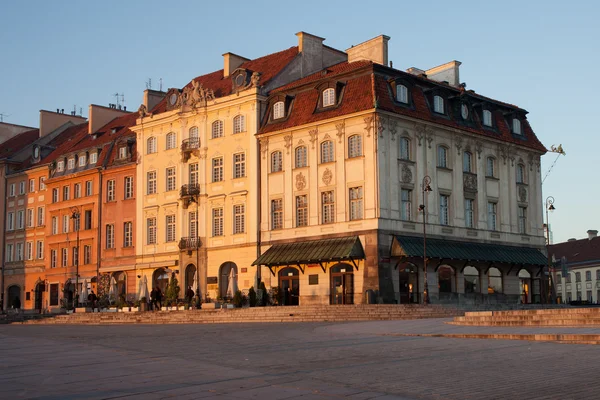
{"x":143,"y":289}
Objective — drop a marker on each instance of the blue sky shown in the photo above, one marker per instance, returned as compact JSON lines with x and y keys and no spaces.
{"x":540,"y":55}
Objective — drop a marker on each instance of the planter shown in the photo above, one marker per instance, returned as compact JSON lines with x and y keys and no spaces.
{"x":163,"y":308}
{"x":181,"y":308}
{"x":230,"y":306}
{"x":210,"y":306}
{"x":134,"y":309}
{"x":144,"y":307}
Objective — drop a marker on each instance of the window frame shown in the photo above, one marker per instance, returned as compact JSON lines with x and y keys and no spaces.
{"x":216,"y":129}
{"x":492,"y":216}
{"x":492,"y":166}
{"x":128,"y":186}
{"x":438,"y":104}
{"x":151,"y":231}
{"x":110,"y":190}
{"x":487,"y":118}
{"x":239,"y":218}
{"x":356,"y":203}
{"x":517,"y":126}
{"x":217,"y":222}
{"x":239,"y":124}
{"x":467,"y":162}
{"x":301,"y":157}
{"x":171,"y":228}
{"x":151,"y":182}
{"x":151,"y":147}
{"x":301,"y":203}
{"x":239,"y":165}
{"x":171,"y":141}
{"x":439,"y":158}
{"x":355,"y":146}
{"x":521,"y":174}
{"x":217,"y":169}
{"x":404,"y":152}
{"x":327,"y":207}
{"x":469,"y":213}
{"x":276,"y":161}
{"x":170,"y":179}
{"x":276,"y":214}
{"x":330,"y":151}
{"x":279,"y":110}
{"x":127,"y":234}
{"x":444,"y":209}
{"x":328,"y":97}
{"x":401,"y":93}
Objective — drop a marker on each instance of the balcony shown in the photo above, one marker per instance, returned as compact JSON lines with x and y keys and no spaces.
{"x":188,"y":147}
{"x":188,"y":193}
{"x":189,"y":243}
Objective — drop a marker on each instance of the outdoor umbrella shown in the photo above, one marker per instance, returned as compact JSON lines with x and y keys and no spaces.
{"x":195,"y":284}
{"x":83,"y":296}
{"x":143,"y":292}
{"x":112,"y":291}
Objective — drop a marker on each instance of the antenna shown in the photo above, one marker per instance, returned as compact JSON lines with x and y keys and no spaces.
{"x":74,"y":112}
{"x":80,"y":111}
{"x":4,"y":115}
{"x":160,"y":84}
{"x":120,"y":99}
{"x":149,"y":84}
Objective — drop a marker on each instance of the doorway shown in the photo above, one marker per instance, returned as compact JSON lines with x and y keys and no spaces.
{"x":289,"y":286}
{"x":342,"y":284}
{"x":40,"y":288}
{"x":525,"y":286}
{"x":13,"y":292}
{"x":407,"y":283}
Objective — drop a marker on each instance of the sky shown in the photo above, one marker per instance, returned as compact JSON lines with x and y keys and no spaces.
{"x":535,"y":54}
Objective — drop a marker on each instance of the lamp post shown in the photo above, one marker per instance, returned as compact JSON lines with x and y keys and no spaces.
{"x":425,"y":188}
{"x":75,"y":216}
{"x":548,"y":287}
{"x":196,"y":199}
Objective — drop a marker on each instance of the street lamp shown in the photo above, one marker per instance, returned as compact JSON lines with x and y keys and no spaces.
{"x":425,"y":188}
{"x":547,"y":287}
{"x":196,"y":199}
{"x":75,"y":216}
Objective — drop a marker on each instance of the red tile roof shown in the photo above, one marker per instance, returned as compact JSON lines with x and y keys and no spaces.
{"x":579,"y":252}
{"x":16,"y":143}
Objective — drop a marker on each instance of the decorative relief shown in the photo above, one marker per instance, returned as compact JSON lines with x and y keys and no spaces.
{"x":191,"y":96}
{"x":327,"y":176}
{"x":203,"y":153}
{"x":478,"y":149}
{"x":327,"y":137}
{"x":264,"y":147}
{"x":423,"y":132}
{"x":288,"y":142}
{"x":470,"y":182}
{"x":313,"y":136}
{"x":429,"y":140}
{"x":459,"y":144}
{"x":300,"y":181}
{"x":406,"y":174}
{"x":530,"y":160}
{"x":522,"y":194}
{"x":393,"y":124}
{"x":143,"y":111}
{"x":368,"y":125}
{"x":503,"y":150}
{"x":341,"y":128}
{"x":300,"y":142}
{"x":380,"y":125}
{"x":255,"y":79}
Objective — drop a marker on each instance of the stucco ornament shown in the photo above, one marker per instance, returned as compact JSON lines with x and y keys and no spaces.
{"x":313,"y":136}
{"x":406,"y":174}
{"x":522,"y":194}
{"x":368,"y":125}
{"x":327,"y":176}
{"x":340,"y":131}
{"x":255,"y":79}
{"x":143,"y":111}
{"x":300,"y":181}
{"x":264,"y":147}
{"x":288,"y":142}
{"x":470,"y":182}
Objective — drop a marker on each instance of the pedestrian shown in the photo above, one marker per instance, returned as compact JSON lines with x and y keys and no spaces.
{"x":93,"y":299}
{"x":159,"y":297}
{"x":189,"y":295}
{"x":17,"y":304}
{"x":153,"y":299}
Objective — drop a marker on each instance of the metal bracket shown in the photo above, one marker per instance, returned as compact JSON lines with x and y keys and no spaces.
{"x":322,"y":266}
{"x":490,"y":265}
{"x":511,"y":268}
{"x":464,"y":266}
{"x":354,"y":263}
{"x":271,"y":269}
{"x":300,"y":268}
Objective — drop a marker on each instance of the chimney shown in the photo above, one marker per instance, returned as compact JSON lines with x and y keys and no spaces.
{"x":415,"y":71}
{"x":446,"y":73}
{"x":231,"y":63}
{"x":310,"y":48}
{"x":375,"y":50}
{"x":49,"y":120}
{"x":100,"y":116}
{"x":592,"y":233}
{"x":152,"y":98}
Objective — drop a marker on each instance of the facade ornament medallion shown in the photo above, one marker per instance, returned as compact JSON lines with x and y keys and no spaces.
{"x":368,"y":125}
{"x":300,"y":181}
{"x":340,"y":130}
{"x":393,"y":124}
{"x":288,"y":142}
{"x":264,"y":147}
{"x":478,"y":149}
{"x":406,"y":174}
{"x":327,"y":176}
{"x":313,"y":136}
{"x":503,"y":150}
{"x":470,"y":182}
{"x":459,"y":144}
{"x":429,"y":140}
{"x":522,"y":194}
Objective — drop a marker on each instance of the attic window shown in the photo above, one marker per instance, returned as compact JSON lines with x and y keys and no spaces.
{"x":402,"y":94}
{"x":122,"y":152}
{"x":487,"y":118}
{"x":93,"y":158}
{"x":279,"y":110}
{"x":438,"y":104}
{"x":82,"y":160}
{"x":516,"y":126}
{"x":60,"y":166}
{"x":71,"y":163}
{"x":328,"y":97}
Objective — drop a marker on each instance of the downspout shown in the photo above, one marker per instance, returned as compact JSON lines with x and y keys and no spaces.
{"x":258,"y":201}
{"x":3,"y":240}
{"x":99,"y":236}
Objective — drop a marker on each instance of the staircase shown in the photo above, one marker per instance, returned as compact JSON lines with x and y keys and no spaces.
{"x":566,"y":317}
{"x":257,"y":314}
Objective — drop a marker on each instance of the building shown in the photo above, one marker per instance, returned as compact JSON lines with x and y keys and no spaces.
{"x":577,"y":276}
{"x":8,"y":131}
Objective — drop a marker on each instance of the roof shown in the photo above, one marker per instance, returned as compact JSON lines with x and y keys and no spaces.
{"x":17,"y":142}
{"x":268,"y":66}
{"x":312,"y":251}
{"x":410,"y":246}
{"x":578,"y":252}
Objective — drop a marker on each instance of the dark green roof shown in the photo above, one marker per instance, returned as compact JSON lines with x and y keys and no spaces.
{"x":410,"y":246}
{"x":312,"y":252}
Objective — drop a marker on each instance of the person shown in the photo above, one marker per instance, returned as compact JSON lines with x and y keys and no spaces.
{"x":159,"y":298}
{"x":189,"y":295}
{"x":93,"y":299}
{"x":153,"y":299}
{"x":17,"y":304}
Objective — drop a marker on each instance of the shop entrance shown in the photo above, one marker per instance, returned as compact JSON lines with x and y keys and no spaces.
{"x":289,"y":286}
{"x":342,"y":284}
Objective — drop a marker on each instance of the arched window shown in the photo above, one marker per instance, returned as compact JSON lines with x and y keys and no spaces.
{"x":404,"y":148}
{"x":191,"y":278}
{"x":520,"y":173}
{"x":327,"y":151}
{"x":301,"y":159}
{"x":217,"y":129}
{"x":402,"y":94}
{"x":228,"y":275}
{"x":171,"y":140}
{"x":160,"y":278}
{"x":471,"y":275}
{"x":276,"y":161}
{"x":354,"y":146}
{"x":487,"y":118}
{"x":328,"y":97}
{"x":442,"y":159}
{"x":494,"y":281}
{"x":151,"y":145}
{"x":239,"y":124}
{"x":516,"y":126}
{"x":438,"y":104}
{"x":467,"y":161}
{"x":278,"y":110}
{"x":490,"y":167}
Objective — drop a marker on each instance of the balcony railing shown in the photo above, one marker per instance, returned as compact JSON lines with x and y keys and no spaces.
{"x":189,"y":243}
{"x":188,"y":192}
{"x":188,"y":146}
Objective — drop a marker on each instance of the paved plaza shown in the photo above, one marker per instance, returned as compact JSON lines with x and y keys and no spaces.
{"x":288,"y":361}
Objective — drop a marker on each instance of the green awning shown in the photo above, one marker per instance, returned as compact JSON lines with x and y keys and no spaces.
{"x":312,"y":252}
{"x":410,"y":246}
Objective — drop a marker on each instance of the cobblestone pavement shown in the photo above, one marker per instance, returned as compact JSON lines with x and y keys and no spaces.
{"x":286,"y":361}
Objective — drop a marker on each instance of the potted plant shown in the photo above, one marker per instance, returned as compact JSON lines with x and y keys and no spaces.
{"x":252,"y":298}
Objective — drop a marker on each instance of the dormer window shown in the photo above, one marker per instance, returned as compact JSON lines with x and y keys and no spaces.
{"x":328,"y":97}
{"x":82,"y":160}
{"x":516,"y":126}
{"x":60,"y":166}
{"x":402,"y":94}
{"x":123,"y":152}
{"x":438,"y":104}
{"x":279,"y":110}
{"x":71,"y":163}
{"x":93,"y":158}
{"x":487,"y":118}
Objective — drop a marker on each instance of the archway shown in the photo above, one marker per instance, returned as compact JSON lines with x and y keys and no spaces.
{"x":69,"y":292}
{"x":227,"y":272}
{"x":342,"y":284}
{"x":121,"y":279}
{"x":525,"y":286}
{"x":160,"y":279}
{"x":190,"y":278}
{"x":289,"y":286}
{"x":13,"y":292}
{"x":446,"y":282}
{"x":472,"y":281}
{"x":495,"y":281}
{"x":408,"y":283}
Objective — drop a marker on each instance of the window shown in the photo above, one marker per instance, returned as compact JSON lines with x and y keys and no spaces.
{"x":82,"y":160}
{"x":170,"y":221}
{"x":469,"y":212}
{"x":52,"y":258}
{"x":301,"y":157}
{"x":405,"y":205}
{"x":30,"y":218}
{"x":10,"y":221}
{"x":9,"y":253}
{"x":192,"y":223}
{"x":520,"y":173}
{"x":276,"y":161}
{"x":71,"y":163}
{"x":76,"y":223}
{"x":404,"y":148}
{"x":402,"y":94}
{"x":239,"y":165}
{"x":354,"y":146}
{"x":193,"y":134}
{"x":128,"y":187}
{"x":442,"y":159}
{"x":217,"y":129}
{"x":77,"y":190}
{"x":444,"y":216}
{"x":151,"y":230}
{"x":110,"y":190}
{"x":31,"y":185}
{"x":577,"y":276}
{"x":12,"y":191}
{"x":151,"y":182}
{"x":356,"y":203}
{"x":75,"y":255}
{"x":467,"y":162}
{"x":54,"y":225}
{"x":93,"y":158}
{"x":19,"y":252}
{"x":327,"y":151}
{"x":328,"y":97}
{"x":598,"y":274}
{"x":29,"y":251}
{"x":239,"y":218}
{"x":171,"y":179}
{"x":171,"y":140}
{"x":327,"y":207}
{"x":492,"y":215}
{"x":193,"y":172}
{"x":438,"y":104}
{"x":568,"y":278}
{"x":487,"y":118}
{"x":65,"y":257}
{"x":276,"y":214}
{"x":55,"y":195}
{"x":66,"y":220}
{"x":87,"y":254}
{"x":239,"y":124}
{"x":151,"y":145}
{"x":588,"y":275}
{"x":127,"y":234}
{"x":42,"y":183}
{"x":60,"y":166}
{"x":522,"y":220}
{"x":122,"y":152}
{"x":278,"y":110}
{"x":217,"y":222}
{"x":516,"y":125}
{"x":490,"y":167}
{"x":558,"y":279}
{"x":217,"y":169}
{"x":66,"y":193}
{"x":87,"y":219}
{"x":22,"y":187}
{"x":41,"y":220}
{"x":301,"y":210}
{"x":89,"y":189}
{"x":494,"y":281}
